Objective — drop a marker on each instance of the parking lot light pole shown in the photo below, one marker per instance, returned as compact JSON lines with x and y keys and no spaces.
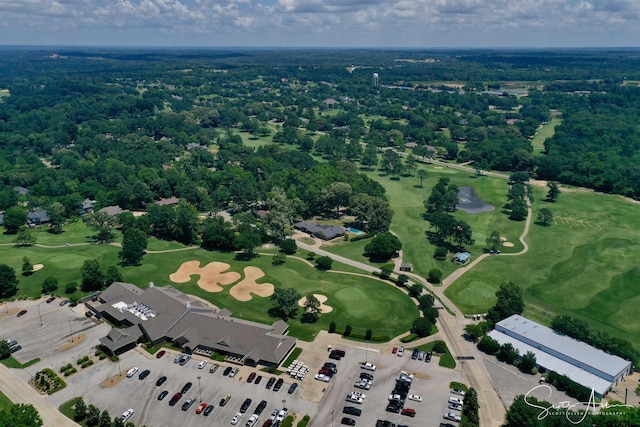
{"x":332,"y":418}
{"x":70,"y":331}
{"x":39,"y":315}
{"x":199,"y":389}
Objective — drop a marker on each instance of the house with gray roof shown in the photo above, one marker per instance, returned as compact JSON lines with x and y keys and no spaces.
{"x":325,"y":232}
{"x":159,"y":314}
{"x":114,"y":210}
{"x":38,"y":217}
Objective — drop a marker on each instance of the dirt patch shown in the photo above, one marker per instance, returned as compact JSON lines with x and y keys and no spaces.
{"x":507,"y":244}
{"x":243,"y":290}
{"x":211,"y":275}
{"x":37,"y":267}
{"x":114,"y":381}
{"x":72,"y":342}
{"x":10,"y":312}
{"x":322,"y":298}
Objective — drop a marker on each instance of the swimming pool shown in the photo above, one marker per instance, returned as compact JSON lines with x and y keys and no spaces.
{"x":355,"y":230}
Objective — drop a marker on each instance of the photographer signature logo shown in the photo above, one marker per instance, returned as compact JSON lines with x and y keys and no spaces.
{"x":571,"y":408}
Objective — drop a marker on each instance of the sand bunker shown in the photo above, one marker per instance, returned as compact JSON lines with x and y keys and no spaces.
{"x":507,"y":244}
{"x":38,"y":267}
{"x":211,"y":275}
{"x":322,"y":298}
{"x":243,"y":290}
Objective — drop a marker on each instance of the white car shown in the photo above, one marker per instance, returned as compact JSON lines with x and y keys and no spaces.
{"x":251,"y":421}
{"x":131,"y":372}
{"x":363,"y":384}
{"x":395,"y":397}
{"x":233,"y":372}
{"x":354,"y":398}
{"x":452,"y":417}
{"x":283,"y":413}
{"x":126,"y":415}
{"x":202,"y":364}
{"x":457,"y":391}
{"x":322,"y":377}
{"x":236,"y":418}
{"x":368,"y":366}
{"x":274,"y":414}
{"x":415,"y":398}
{"x":455,"y":400}
{"x":400,"y":352}
{"x":455,"y":406}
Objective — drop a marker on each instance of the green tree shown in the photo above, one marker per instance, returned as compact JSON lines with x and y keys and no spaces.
{"x":336,"y":195}
{"x":470,"y":409}
{"x":488,"y":345}
{"x":422,"y":175}
{"x":462,"y":234}
{"x":370,"y":156}
{"x":288,"y":246}
{"x":278,"y":259}
{"x":27,"y":267}
{"x":494,"y":241}
{"x":92,"y":276}
{"x":383,"y":246}
{"x":113,"y":274}
{"x":372,"y":213}
{"x":117,"y":422}
{"x":285,"y":303}
{"x":93,"y":415}
{"x":507,"y":353}
{"x":554,"y":191}
{"x":249,"y":238}
{"x":50,"y":285}
{"x":5,"y":350}
{"x":105,"y":419}
{"x":525,"y":412}
{"x":402,"y":280}
{"x":312,"y":306}
{"x":70,"y":287}
{"x":415,"y":290}
{"x":20,"y":415}
{"x":14,"y":218}
{"x":25,"y":237}
{"x":435,"y":275}
{"x":474,"y":331}
{"x":56,"y":217}
{"x":545,"y":216}
{"x":509,"y":302}
{"x":8,"y":281}
{"x":441,"y":253}
{"x":80,"y":410}
{"x":134,"y":243}
{"x":185,"y":228}
{"x":527,"y":363}
{"x":103,"y":224}
{"x":324,"y":263}
{"x":218,"y":234}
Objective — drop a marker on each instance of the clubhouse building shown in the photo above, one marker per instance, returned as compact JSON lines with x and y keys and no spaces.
{"x":159,"y":314}
{"x":582,"y":363}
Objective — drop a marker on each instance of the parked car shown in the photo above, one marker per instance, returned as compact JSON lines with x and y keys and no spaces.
{"x":455,"y":406}
{"x":274,"y":414}
{"x":278,"y":384}
{"x":64,"y":302}
{"x":322,"y":377}
{"x":245,"y":405}
{"x":268,"y":423}
{"x":352,"y":410}
{"x":126,"y":415}
{"x":458,"y":391}
{"x":236,"y":418}
{"x":415,"y":398}
{"x":428,"y":357}
{"x":368,"y":366}
{"x":161,"y":380}
{"x":185,"y":359}
{"x":452,"y":417}
{"x":51,"y":299}
{"x":144,"y":374}
{"x":348,"y":421}
{"x":292,"y":388}
{"x":233,"y":372}
{"x":187,"y":404}
{"x":330,"y":366}
{"x":258,"y":379}
{"x":366,"y":376}
{"x":131,"y":372}
{"x":260,"y":407}
{"x":12,"y":343}
{"x":163,"y":394}
{"x":208,"y":410}
{"x":421,"y":355}
{"x":455,"y":400}
{"x":201,"y":408}
{"x":400,"y":352}
{"x":251,"y":421}
{"x":175,"y":399}
{"x":408,"y":412}
{"x":15,"y":348}
{"x":186,"y":387}
{"x":384,"y":423}
{"x":251,"y":377}
{"x":270,"y":383}
{"x":227,"y":371}
{"x":21,"y":313}
{"x":414,"y":355}
{"x":213,"y":368}
{"x":354,"y":398}
{"x":202,"y":364}
{"x":394,"y":350}
{"x":224,"y":400}
{"x":160,"y":354}
{"x":281,"y":415}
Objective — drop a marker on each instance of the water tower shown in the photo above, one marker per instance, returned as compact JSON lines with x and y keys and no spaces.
{"x":375,"y":79}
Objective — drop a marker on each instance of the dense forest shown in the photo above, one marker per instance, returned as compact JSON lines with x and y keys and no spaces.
{"x":130,"y":127}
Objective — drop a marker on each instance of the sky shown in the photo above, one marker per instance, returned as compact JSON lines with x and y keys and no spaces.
{"x":322,"y":23}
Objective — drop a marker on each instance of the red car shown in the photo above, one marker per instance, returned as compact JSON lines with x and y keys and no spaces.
{"x":252,"y":376}
{"x":200,"y":408}
{"x":21,"y":313}
{"x":50,"y":299}
{"x":395,"y":350}
{"x":160,"y":354}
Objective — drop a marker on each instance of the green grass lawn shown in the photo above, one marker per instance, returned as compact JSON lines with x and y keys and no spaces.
{"x":583,"y":265}
{"x":546,"y":131}
{"x":5,"y":403}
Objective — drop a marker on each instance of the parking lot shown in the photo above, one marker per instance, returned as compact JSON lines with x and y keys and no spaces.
{"x":323,"y":402}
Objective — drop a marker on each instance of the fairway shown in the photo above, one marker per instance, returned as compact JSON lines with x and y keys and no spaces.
{"x":545,"y":131}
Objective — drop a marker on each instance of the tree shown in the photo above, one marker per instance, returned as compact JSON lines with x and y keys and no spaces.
{"x":470,"y":409}
{"x":56,"y":217}
{"x":372,"y":213}
{"x":117,"y":422}
{"x":27,"y":267}
{"x":370,"y":156}
{"x":5,"y":350}
{"x":312,"y":306}
{"x":441,"y":253}
{"x":278,"y":259}
{"x":525,"y":412}
{"x":422,"y":175}
{"x":80,"y":409}
{"x":347,"y":330}
{"x":494,"y":241}
{"x":554,"y":191}
{"x":509,"y":302}
{"x":474,"y":331}
{"x":93,"y":415}
{"x":383,"y":246}
{"x":415,"y":290}
{"x":218,"y":234}
{"x":14,"y":218}
{"x":288,"y":246}
{"x":249,"y":239}
{"x":279,"y":219}
{"x":134,"y":243}
{"x":92,"y":276}
{"x":528,"y":362}
{"x":50,"y":285}
{"x":25,"y":237}
{"x":488,"y":345}
{"x":402,"y":280}
{"x":507,"y":353}
{"x":285,"y":303}
{"x":20,"y":415}
{"x":324,"y":263}
{"x":112,"y":274}
{"x":103,"y":224}
{"x":185,"y":227}
{"x":70,"y":287}
{"x":434,"y":276}
{"x":105,"y":419}
{"x":8,"y":281}
{"x":545,"y":216}
{"x":462,"y":234}
{"x":439,"y":347}
{"x":336,"y":196}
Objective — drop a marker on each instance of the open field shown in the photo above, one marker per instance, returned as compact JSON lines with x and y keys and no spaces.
{"x":583,"y":265}
{"x":544,"y":132}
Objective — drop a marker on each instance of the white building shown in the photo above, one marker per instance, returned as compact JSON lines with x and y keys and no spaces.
{"x":579,"y":361}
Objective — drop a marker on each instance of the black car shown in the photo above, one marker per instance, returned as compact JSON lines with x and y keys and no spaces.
{"x":16,"y":348}
{"x":208,"y":410}
{"x":187,"y":404}
{"x":161,"y":380}
{"x":227,"y":371}
{"x":144,"y":374}
{"x":270,"y":383}
{"x":260,"y":407}
{"x":393,"y":408}
{"x":163,"y":394}
{"x":415,"y":353}
{"x":348,"y":421}
{"x":292,"y":388}
{"x":278,"y":384}
{"x":330,"y":366}
{"x":352,"y":410}
{"x":186,"y":388}
{"x":427,"y":358}
{"x":384,"y":423}
{"x":258,"y":379}
{"x":366,"y":376}
{"x":175,"y":399}
{"x":245,"y":405}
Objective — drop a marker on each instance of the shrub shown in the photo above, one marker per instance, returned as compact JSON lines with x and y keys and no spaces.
{"x":347,"y":330}
{"x":435,"y":275}
{"x":408,"y":338}
{"x":278,"y":259}
{"x":324,"y":263}
{"x":304,"y":421}
{"x":441,"y":253}
{"x":70,"y":287}
{"x":332,"y":327}
{"x":439,"y":347}
{"x":367,"y":335}
{"x":288,"y":246}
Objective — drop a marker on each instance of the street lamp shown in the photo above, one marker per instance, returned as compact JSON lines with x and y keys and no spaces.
{"x":461,"y":371}
{"x":332,"y":418}
{"x":199,"y":389}
{"x":39,"y":315}
{"x":70,"y":331}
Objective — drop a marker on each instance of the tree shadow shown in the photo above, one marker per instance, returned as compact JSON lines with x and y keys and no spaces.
{"x":244,"y":256}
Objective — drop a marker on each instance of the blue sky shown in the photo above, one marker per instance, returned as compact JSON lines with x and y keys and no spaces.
{"x":322,"y":23}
